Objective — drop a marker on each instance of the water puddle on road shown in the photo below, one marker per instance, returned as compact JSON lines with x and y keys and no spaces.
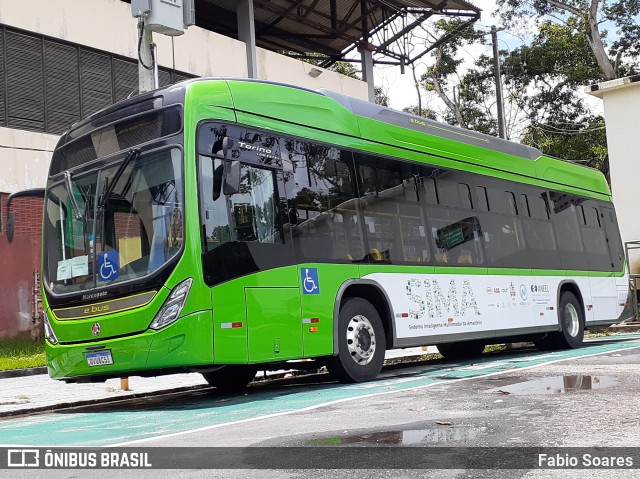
{"x":556,"y":385}
{"x":436,"y":435}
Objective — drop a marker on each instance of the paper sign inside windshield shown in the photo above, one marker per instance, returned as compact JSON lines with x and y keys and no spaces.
{"x":64,"y":270}
{"x":80,"y":266}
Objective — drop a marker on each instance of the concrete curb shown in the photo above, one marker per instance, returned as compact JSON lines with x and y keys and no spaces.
{"x":16,"y":373}
{"x":90,"y":402}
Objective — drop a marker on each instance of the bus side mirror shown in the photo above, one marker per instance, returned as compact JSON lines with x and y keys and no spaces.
{"x":231,"y":184}
{"x":217,"y":182}
{"x":231,"y":177}
{"x":11,"y":220}
{"x":11,"y":216}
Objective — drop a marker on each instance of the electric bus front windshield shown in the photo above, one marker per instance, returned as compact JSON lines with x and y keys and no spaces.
{"x":114,"y":224}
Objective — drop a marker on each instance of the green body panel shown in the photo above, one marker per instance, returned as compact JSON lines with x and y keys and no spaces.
{"x":331,"y":277}
{"x":293,"y":105}
{"x":186,"y":342}
{"x":594,"y":184}
{"x":417,"y":140}
{"x":228,"y":299}
{"x":566,"y":174}
{"x":273,"y":324}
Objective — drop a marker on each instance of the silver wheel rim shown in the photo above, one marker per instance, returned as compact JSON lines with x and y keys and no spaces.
{"x":361,"y":340}
{"x":571,"y":320}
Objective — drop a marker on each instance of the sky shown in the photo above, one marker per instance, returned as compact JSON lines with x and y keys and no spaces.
{"x":401,"y":89}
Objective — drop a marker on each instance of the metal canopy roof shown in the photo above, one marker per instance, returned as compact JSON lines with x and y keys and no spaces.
{"x":333,"y":28}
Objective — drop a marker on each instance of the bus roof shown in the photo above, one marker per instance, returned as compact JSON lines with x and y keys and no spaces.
{"x":264,"y":104}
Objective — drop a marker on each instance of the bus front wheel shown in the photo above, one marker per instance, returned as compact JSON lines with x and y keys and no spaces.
{"x":233,"y":377}
{"x":361,"y":343}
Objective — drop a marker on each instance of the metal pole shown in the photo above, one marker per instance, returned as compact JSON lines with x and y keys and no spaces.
{"x":146,"y":76}
{"x":156,"y":80}
{"x":496,"y":72}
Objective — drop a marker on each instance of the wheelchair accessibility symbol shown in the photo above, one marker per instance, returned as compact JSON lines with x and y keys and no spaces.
{"x":310,"y":283}
{"x":108,"y":265}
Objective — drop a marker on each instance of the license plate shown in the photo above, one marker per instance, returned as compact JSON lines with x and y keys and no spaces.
{"x":99,"y":358}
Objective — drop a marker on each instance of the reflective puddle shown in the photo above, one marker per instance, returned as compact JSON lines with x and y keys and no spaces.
{"x":556,"y":385}
{"x":437,"y":435}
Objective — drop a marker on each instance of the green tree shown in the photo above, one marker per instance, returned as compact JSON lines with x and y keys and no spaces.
{"x":548,"y":74}
{"x":589,"y":19}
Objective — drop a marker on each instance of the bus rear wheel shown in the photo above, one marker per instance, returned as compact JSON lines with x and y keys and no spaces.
{"x":571,"y":319}
{"x":232,"y":377}
{"x":361,"y":343}
{"x":462,"y":350}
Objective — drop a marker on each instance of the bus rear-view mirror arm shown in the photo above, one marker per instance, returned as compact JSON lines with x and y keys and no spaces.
{"x":11,"y":216}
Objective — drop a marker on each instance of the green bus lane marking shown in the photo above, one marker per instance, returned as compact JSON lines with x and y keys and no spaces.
{"x":127,"y":425}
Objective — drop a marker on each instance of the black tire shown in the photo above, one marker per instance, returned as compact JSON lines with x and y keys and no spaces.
{"x":233,"y":377}
{"x":361,"y":343}
{"x":571,"y":322}
{"x":571,"y":318}
{"x":462,"y":350}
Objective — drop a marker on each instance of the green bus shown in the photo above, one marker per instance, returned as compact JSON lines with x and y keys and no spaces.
{"x":228,"y":225}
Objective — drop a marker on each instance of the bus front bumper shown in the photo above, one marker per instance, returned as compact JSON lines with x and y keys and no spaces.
{"x":187,"y":342}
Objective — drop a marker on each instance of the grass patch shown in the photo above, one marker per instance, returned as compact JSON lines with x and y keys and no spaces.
{"x":21,"y":353}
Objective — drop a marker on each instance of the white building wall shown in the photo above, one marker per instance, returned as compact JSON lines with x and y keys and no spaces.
{"x":621,"y":107}
{"x":107,"y":25}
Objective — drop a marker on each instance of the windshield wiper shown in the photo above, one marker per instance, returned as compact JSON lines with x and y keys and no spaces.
{"x":74,"y":204}
{"x":131,"y":156}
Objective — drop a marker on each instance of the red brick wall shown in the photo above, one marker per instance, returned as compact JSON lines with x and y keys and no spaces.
{"x":18,"y":263}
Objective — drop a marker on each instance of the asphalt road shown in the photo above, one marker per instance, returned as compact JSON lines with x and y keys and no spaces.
{"x":580,"y":398}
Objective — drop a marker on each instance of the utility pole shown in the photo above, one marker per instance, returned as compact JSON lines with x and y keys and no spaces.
{"x":496,"y":72}
{"x":169,"y":17}
{"x":147,"y":63}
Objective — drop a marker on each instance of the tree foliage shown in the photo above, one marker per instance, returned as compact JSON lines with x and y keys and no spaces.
{"x":587,"y":18}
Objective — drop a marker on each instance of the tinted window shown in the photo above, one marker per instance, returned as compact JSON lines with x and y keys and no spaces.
{"x":322,"y":211}
{"x":465,"y":196}
{"x":539,"y":234}
{"x":393,"y":223}
{"x":567,"y":228}
{"x":594,"y":237}
{"x":503,"y":231}
{"x":483,"y":198}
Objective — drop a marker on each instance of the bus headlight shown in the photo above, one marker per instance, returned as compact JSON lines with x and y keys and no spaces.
{"x":49,"y":335}
{"x":172,"y":306}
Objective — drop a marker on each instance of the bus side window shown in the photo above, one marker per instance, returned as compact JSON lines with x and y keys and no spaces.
{"x":567,"y":229}
{"x":594,"y":237}
{"x":466,"y":201}
{"x":322,"y":196}
{"x":482,"y":198}
{"x":392,"y":219}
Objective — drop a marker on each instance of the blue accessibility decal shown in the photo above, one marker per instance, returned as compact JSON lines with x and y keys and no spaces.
{"x":108,"y":265}
{"x":310,"y":282}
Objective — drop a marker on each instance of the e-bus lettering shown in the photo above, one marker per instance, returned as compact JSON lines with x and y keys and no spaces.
{"x":96,"y":309}
{"x":433,"y":301}
{"x":417,"y":122}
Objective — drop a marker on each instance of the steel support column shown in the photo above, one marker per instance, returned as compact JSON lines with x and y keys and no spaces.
{"x":247,"y":34}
